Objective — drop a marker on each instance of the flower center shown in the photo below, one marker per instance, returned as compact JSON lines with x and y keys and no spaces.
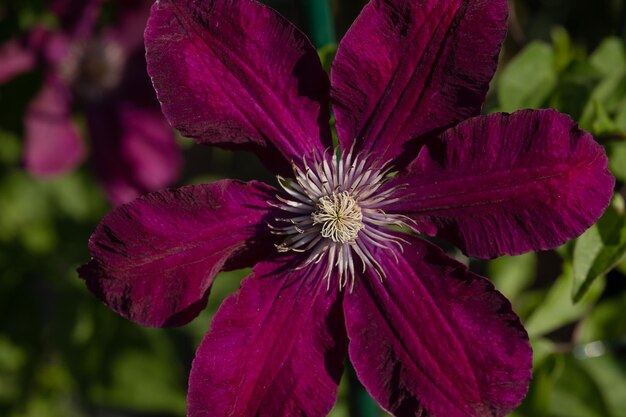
{"x":334,"y":213}
{"x":94,"y":67}
{"x":340,"y":217}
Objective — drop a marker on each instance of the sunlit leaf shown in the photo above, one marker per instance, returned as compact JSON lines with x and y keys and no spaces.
{"x":512,"y":274}
{"x":606,"y":322}
{"x":542,"y":350}
{"x":600,"y":248}
{"x":341,"y":408}
{"x":616,"y":151}
{"x":609,"y":57}
{"x":557,"y":308}
{"x":577,"y":393}
{"x":327,"y":54}
{"x":563,"y":53}
{"x":528,"y":79}
{"x":609,"y":371}
{"x":606,"y":98}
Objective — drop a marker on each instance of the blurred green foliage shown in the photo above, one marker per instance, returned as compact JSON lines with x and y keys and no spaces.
{"x":62,"y":354}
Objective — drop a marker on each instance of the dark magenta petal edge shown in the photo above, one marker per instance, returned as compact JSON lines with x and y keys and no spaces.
{"x":508,"y":183}
{"x":434,"y":339}
{"x":154,"y":259}
{"x":275,"y":348}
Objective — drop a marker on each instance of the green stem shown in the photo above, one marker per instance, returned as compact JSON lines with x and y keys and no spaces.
{"x":360,"y":402}
{"x":319,"y":22}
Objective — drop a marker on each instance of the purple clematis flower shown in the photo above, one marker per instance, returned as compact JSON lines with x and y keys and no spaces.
{"x":337,"y":266}
{"x":134,"y":148}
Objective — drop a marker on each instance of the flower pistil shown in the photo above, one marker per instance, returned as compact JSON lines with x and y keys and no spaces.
{"x":335,"y":208}
{"x":340,"y":217}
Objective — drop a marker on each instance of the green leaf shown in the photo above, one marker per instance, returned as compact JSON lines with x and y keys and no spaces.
{"x":527,"y":302}
{"x":622,"y":267}
{"x":577,"y":393}
{"x":600,"y":248}
{"x":620,"y":115}
{"x":563,"y":51}
{"x":225,"y":284}
{"x":538,"y":401}
{"x":606,"y":321}
{"x":557,"y":308}
{"x":610,"y":57}
{"x":602,"y":124}
{"x":10,"y":148}
{"x":528,"y":79}
{"x":609,"y":373}
{"x":566,"y":250}
{"x":39,"y":237}
{"x":26,"y":214}
{"x":143,"y":381}
{"x":540,"y":392}
{"x":616,"y":151}
{"x":575,"y":86}
{"x":77,"y":196}
{"x":327,"y":54}
{"x":342,"y":408}
{"x":12,"y":359}
{"x":512,"y":274}
{"x":606,"y":99}
{"x":543,"y":349}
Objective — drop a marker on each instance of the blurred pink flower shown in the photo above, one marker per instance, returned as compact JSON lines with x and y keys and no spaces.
{"x":102,"y":71}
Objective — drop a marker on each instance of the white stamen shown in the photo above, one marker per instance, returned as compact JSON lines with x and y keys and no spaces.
{"x":333,"y":207}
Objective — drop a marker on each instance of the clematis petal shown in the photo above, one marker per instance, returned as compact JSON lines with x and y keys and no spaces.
{"x":16,"y":57}
{"x":275,"y":349}
{"x":406,"y":69}
{"x":508,"y":184}
{"x":154,"y":260}
{"x":52,"y":143}
{"x":236,"y":74}
{"x":433,"y":339}
{"x":134,"y":149}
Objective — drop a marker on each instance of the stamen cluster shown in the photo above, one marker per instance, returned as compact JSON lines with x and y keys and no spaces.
{"x":336,"y":215}
{"x":93,"y":67}
{"x":340,"y":217}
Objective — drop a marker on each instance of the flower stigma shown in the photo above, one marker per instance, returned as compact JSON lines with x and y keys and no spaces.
{"x":340,"y":217}
{"x":334,"y":213}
